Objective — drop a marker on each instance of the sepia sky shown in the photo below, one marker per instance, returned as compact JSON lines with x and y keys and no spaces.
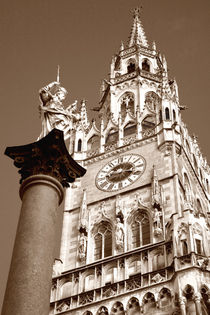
{"x":82,"y":36}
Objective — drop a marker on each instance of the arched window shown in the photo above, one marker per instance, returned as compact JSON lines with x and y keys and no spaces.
{"x":167,"y":114}
{"x":149,"y":303}
{"x":117,"y":309}
{"x":131,"y":66}
{"x":165,"y":298}
{"x":207,"y":185}
{"x":126,"y":104}
{"x":174,"y":115}
{"x":103,"y":311}
{"x":133,"y":306}
{"x":103,"y":241}
{"x":140,"y":229}
{"x":198,"y":238}
{"x":195,"y":163}
{"x":198,"y":206}
{"x":146,"y":65}
{"x":129,"y":129}
{"x":205,"y":299}
{"x":93,"y":143}
{"x":152,"y":100}
{"x":89,"y":282}
{"x":112,"y":137}
{"x":184,"y":247}
{"x":79,"y":145}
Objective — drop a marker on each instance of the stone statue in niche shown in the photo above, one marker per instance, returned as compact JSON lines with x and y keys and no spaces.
{"x":52,"y":111}
{"x":157,"y":222}
{"x":57,"y":267}
{"x":82,"y":246}
{"x":119,"y":233}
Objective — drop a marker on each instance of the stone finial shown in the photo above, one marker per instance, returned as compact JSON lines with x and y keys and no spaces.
{"x":47,"y":156}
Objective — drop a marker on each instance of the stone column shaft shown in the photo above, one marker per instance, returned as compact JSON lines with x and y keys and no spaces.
{"x":45,"y":167}
{"x":29,"y":282}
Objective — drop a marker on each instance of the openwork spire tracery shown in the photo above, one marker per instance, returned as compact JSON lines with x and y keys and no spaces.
{"x":137,"y":36}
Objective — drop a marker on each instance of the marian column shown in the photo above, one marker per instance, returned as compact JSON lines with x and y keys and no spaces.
{"x":46,"y":168}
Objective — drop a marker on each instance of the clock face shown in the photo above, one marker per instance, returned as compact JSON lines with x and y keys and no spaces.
{"x":120,"y":172}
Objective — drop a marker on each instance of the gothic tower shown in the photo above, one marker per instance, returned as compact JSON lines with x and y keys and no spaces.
{"x":136,"y":227}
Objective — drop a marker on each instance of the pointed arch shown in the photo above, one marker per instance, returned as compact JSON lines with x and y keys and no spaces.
{"x":93,"y":143}
{"x":117,"y":309}
{"x":102,"y":240}
{"x":152,"y":100}
{"x":79,"y":145}
{"x":146,"y":65}
{"x":127,"y":102}
{"x":112,"y":136}
{"x":133,"y":306}
{"x":149,"y":303}
{"x":167,"y":113}
{"x":131,"y":65}
{"x":139,"y":229}
{"x":102,"y":311}
{"x":165,"y":298}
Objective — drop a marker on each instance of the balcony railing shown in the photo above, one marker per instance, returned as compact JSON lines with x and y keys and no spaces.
{"x":138,"y":281}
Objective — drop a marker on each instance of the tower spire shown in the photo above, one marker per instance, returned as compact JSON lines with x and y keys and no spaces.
{"x":137,"y":35}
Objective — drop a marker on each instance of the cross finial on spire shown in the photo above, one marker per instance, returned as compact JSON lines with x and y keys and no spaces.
{"x":136,"y":11}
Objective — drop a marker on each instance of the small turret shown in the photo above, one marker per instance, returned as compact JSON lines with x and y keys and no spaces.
{"x":84,"y":118}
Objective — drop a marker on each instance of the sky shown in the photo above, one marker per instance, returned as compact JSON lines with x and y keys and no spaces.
{"x":82,"y":36}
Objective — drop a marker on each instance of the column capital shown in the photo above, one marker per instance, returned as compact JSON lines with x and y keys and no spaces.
{"x":48,"y":156}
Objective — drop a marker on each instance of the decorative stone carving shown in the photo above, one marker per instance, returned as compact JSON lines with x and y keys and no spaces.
{"x":85,"y":298}
{"x":157,"y":278}
{"x":47,"y":156}
{"x":53,"y":112}
{"x":82,"y":246}
{"x":63,"y":306}
{"x":157,"y":222}
{"x":119,"y":234}
{"x":156,"y":190}
{"x":110,"y":290}
{"x":57,"y":267}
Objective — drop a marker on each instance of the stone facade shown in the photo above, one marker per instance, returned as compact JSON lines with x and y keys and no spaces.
{"x":136,"y":226}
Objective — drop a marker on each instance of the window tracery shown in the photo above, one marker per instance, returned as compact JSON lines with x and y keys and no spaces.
{"x":103,"y":241}
{"x":112,"y":137}
{"x":152,"y":100}
{"x":93,"y":143}
{"x":126,"y":104}
{"x":140,"y":229}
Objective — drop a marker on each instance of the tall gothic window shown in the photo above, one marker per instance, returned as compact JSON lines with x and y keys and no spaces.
{"x":140,"y":229}
{"x":126,"y":104}
{"x":103,"y":241}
